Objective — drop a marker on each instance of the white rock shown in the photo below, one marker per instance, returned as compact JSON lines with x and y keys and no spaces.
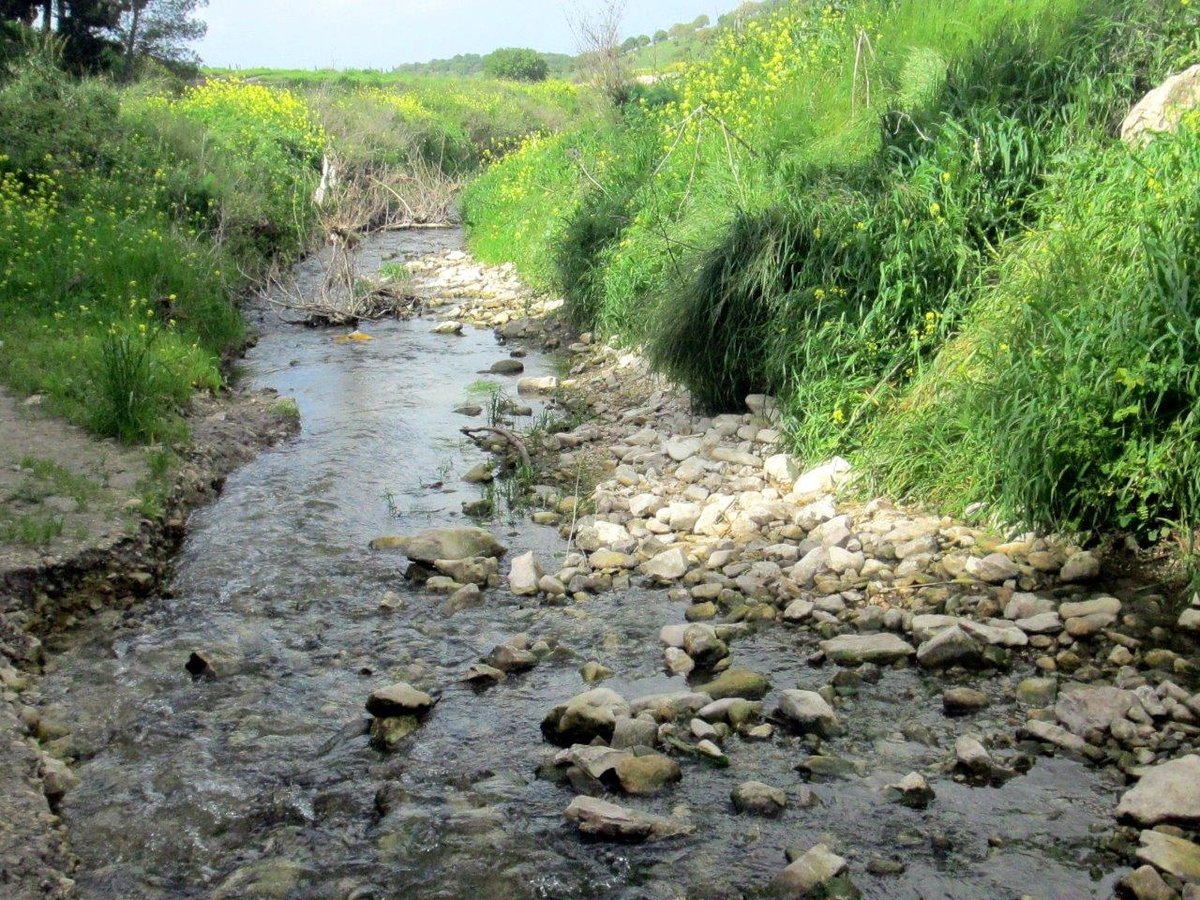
{"x":824,"y":479}
{"x":683,"y":448}
{"x":524,"y":575}
{"x":671,"y":565}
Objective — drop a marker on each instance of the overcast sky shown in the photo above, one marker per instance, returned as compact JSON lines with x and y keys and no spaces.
{"x":380,"y":34}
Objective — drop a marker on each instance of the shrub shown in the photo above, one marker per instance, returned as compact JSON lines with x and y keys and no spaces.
{"x":516,"y":64}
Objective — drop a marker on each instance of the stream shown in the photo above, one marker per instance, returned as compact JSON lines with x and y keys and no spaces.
{"x":261,"y":782}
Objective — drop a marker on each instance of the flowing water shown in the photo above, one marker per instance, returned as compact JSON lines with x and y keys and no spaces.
{"x":261,"y":782}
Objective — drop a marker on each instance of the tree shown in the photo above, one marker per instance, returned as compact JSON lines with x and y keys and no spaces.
{"x":161,"y":30}
{"x":629,"y":45}
{"x":660,"y":36}
{"x":701,"y":22}
{"x":598,"y":39}
{"x":516,"y":64}
{"x":643,"y":40}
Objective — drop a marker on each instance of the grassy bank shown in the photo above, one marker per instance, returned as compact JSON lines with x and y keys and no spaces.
{"x":134,"y":218}
{"x":883,"y":212}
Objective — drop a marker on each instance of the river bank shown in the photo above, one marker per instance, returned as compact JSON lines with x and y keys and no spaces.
{"x":117,"y":524}
{"x":776,"y":669}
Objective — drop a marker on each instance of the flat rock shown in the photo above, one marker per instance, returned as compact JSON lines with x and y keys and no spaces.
{"x":959,"y":701}
{"x":399,"y":699}
{"x":1168,"y":792}
{"x":856,"y":649}
{"x":737,"y":683}
{"x":1173,"y":855}
{"x":602,"y":819}
{"x":1097,"y":606}
{"x":809,"y":872}
{"x":444,"y":544}
{"x":1081,"y":708}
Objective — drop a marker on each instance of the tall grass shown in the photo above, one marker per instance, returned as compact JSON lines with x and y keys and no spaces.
{"x":825,"y":209}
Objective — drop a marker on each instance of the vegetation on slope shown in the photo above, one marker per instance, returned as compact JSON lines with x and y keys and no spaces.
{"x":887,"y":213}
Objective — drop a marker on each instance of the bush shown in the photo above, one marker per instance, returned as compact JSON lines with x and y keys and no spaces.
{"x":516,"y":64}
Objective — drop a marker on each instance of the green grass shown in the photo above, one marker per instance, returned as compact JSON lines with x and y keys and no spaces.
{"x":46,"y":478}
{"x":135,"y":218}
{"x":838,"y":205}
{"x":29,"y":530}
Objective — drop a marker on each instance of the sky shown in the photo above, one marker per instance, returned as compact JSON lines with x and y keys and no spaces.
{"x":379,"y":34}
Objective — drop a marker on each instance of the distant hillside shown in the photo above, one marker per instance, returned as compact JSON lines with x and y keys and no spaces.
{"x":679,"y":43}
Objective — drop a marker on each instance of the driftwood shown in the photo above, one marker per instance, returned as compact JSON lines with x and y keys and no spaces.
{"x":475,"y":433}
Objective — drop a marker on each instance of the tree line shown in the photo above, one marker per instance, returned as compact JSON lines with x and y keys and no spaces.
{"x":110,"y":35}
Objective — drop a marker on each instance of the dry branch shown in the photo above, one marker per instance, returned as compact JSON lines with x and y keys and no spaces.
{"x":475,"y":434}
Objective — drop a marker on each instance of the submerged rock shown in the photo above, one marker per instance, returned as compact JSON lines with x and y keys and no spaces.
{"x":444,"y":544}
{"x":807,"y":711}
{"x":737,"y":683}
{"x":809,"y":872}
{"x":758,"y":799}
{"x":602,"y":819}
{"x":912,"y":790}
{"x":585,"y":717}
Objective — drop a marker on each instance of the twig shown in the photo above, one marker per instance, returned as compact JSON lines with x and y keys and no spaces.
{"x":505,"y":433}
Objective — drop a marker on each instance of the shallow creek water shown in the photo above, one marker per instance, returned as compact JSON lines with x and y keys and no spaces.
{"x":263,"y":780}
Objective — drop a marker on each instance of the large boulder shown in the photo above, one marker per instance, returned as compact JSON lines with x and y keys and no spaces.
{"x":1162,"y":109}
{"x":1169,"y":792}
{"x":1174,"y":855}
{"x":585,"y":717}
{"x":444,"y":544}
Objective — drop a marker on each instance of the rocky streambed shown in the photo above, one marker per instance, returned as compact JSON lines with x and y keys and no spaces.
{"x":662,"y":660}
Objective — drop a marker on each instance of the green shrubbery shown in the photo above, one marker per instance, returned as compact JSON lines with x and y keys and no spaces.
{"x":839,"y":208}
{"x":132,"y":219}
{"x":516,"y":64}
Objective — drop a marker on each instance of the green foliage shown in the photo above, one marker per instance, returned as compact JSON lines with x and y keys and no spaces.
{"x":835,"y":205}
{"x":516,"y":64}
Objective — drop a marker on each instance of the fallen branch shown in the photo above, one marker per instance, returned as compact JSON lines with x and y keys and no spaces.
{"x":474,"y":433}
